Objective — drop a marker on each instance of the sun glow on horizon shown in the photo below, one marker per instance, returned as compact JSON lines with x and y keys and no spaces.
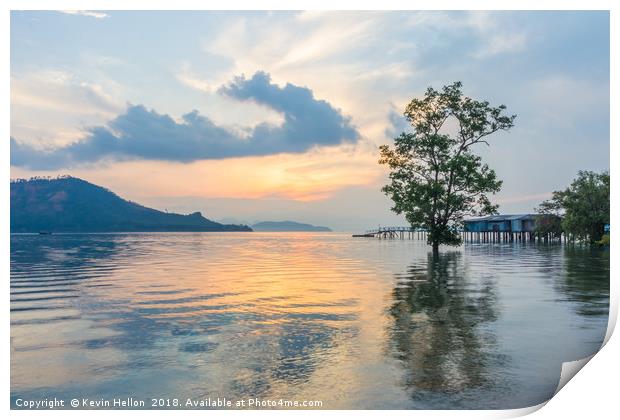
{"x":311,"y":176}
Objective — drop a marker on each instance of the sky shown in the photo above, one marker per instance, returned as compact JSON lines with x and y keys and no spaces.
{"x":250,"y":116}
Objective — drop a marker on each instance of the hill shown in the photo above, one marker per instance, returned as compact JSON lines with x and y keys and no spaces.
{"x":288,"y":226}
{"x":68,"y":204}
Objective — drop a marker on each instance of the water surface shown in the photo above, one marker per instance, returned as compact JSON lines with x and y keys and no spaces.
{"x":352,"y":322}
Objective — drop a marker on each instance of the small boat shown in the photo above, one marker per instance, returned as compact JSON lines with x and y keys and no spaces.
{"x":364,"y":235}
{"x":45,"y":232}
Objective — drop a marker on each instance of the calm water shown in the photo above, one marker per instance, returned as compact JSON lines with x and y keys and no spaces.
{"x":353,"y":322}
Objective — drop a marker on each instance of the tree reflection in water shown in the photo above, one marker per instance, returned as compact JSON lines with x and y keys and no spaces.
{"x":586,"y":280}
{"x":438,"y":327}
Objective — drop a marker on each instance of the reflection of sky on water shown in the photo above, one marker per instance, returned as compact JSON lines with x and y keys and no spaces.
{"x":375,"y":324}
{"x":477,"y":325}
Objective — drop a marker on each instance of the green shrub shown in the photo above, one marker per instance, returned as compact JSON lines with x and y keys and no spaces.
{"x":604,"y":240}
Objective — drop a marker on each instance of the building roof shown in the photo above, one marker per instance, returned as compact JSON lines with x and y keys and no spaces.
{"x":502,"y":217}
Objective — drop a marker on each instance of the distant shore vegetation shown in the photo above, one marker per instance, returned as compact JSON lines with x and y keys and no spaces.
{"x":582,"y":210}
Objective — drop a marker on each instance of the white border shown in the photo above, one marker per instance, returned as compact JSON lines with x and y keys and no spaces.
{"x":310,"y":5}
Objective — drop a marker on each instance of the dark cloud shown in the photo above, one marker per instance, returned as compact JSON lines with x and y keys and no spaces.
{"x":398,"y":125}
{"x":140,"y":133}
{"x":307,"y":121}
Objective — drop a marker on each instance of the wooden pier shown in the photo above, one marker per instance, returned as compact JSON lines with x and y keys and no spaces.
{"x":394,"y":232}
{"x":403,"y":232}
{"x":502,"y":237}
{"x":489,"y":229}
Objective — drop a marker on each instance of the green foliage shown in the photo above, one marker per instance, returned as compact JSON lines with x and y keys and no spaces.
{"x":604,"y":240}
{"x":435,"y":178}
{"x":548,"y":224}
{"x":584,"y":206}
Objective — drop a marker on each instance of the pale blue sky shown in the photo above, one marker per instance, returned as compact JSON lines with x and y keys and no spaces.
{"x":152,"y":105}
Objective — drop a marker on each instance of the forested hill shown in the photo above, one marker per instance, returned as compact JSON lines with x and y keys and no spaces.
{"x":70,"y":204}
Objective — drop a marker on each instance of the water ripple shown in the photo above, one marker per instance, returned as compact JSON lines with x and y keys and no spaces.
{"x":355,"y":323}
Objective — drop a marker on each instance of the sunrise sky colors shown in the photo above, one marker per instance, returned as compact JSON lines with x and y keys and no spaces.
{"x":278,"y":115}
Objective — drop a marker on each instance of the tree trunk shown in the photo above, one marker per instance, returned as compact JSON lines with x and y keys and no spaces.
{"x":435,"y":248}
{"x":597,"y":233}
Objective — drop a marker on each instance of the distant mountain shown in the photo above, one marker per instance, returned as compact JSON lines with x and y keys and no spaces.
{"x":70,"y":204}
{"x":288,"y":226}
{"x":233,"y":221}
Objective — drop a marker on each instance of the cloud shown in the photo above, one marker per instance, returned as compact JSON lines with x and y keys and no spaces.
{"x":501,"y":43}
{"x":61,"y":91}
{"x":140,"y":133}
{"x":488,"y":33}
{"x":89,"y":13}
{"x":206,"y":73}
{"x":51,"y":106}
{"x":398,"y":124}
{"x":314,"y":175}
{"x":370,"y":57}
{"x":307,"y":121}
